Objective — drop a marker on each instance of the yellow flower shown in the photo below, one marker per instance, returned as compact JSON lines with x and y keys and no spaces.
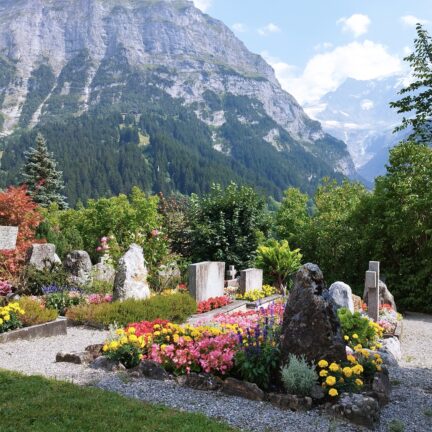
{"x":123,"y":340}
{"x":133,"y":338}
{"x":333,"y":392}
{"x":351,"y":359}
{"x":357,"y":369}
{"x":330,"y":381}
{"x":157,"y":333}
{"x":322,"y":364}
{"x":359,"y":382}
{"x":120,"y":332}
{"x":334,"y":367}
{"x":131,"y":330}
{"x":346,"y":338}
{"x":365,"y":353}
{"x":113,"y":345}
{"x":379,"y":368}
{"x":377,"y":356}
{"x":6,"y":317}
{"x":347,"y":371}
{"x":141,"y":356}
{"x":323,"y":373}
{"x":355,"y":336}
{"x":358,"y":348}
{"x":104,"y":349}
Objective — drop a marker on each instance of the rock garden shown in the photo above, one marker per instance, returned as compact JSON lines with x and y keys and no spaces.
{"x":262,"y":344}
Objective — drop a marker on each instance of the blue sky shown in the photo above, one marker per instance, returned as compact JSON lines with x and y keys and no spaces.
{"x":314,"y":45}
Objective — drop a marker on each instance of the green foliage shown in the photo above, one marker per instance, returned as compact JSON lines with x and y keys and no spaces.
{"x":127,"y":354}
{"x":32,"y":280}
{"x":226,"y":225}
{"x":417,"y":96}
{"x":258,"y":364}
{"x":298,"y":376}
{"x":35,"y":404}
{"x":356,"y":324}
{"x":62,"y":301}
{"x":396,"y":426}
{"x":175,"y":308}
{"x":278,"y":261}
{"x":35,"y":312}
{"x":98,"y":287}
{"x":44,"y":182}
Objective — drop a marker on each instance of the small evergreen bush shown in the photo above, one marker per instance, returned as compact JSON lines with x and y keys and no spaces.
{"x":35,"y":312}
{"x":298,"y":376}
{"x":175,"y":308}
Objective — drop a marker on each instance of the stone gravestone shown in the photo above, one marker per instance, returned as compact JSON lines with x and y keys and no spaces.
{"x":42,"y":256}
{"x":375,"y":267}
{"x":8,"y":237}
{"x":103,"y":271}
{"x":250,"y":279}
{"x":206,"y":280}
{"x":232,"y":272}
{"x":78,"y":264}
{"x":371,"y":286}
{"x":342,"y":295}
{"x":311,"y":327}
{"x":131,"y":277}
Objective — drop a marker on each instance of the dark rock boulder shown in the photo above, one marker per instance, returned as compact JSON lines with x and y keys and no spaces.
{"x":243,"y":389}
{"x":311,"y":326}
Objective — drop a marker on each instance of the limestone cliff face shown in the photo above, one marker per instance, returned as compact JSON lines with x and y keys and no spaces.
{"x":55,"y":56}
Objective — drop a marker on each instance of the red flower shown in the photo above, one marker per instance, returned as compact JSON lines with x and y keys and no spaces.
{"x":213,"y":303}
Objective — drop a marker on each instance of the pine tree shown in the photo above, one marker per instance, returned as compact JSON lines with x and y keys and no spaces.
{"x":43,"y":180}
{"x":417,"y":97}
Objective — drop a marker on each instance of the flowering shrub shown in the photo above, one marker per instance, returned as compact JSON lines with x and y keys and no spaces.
{"x":388,"y":318}
{"x":10,"y":317}
{"x":359,"y":329}
{"x":258,"y":294}
{"x":213,"y":303}
{"x":5,"y":288}
{"x":99,"y":298}
{"x":62,"y":298}
{"x":349,"y":376}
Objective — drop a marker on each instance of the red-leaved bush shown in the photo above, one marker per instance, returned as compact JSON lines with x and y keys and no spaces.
{"x":213,"y":303}
{"x":17,"y":209}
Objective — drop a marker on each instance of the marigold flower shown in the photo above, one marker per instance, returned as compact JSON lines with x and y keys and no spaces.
{"x":347,"y":371}
{"x":323,"y":373}
{"x":333,"y":392}
{"x":359,"y":382}
{"x":346,"y":338}
{"x":330,"y":380}
{"x":322,"y":364}
{"x":334,"y":367}
{"x":355,"y":336}
{"x":351,"y":359}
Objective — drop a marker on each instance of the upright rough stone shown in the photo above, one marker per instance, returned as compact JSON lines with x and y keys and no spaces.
{"x":43,"y":256}
{"x":386,"y":297}
{"x":206,"y":280}
{"x":250,"y":279}
{"x":78,"y":264}
{"x":103,"y":271}
{"x":371,"y":286}
{"x":341,"y":293}
{"x":131,"y":277}
{"x":310,"y":325}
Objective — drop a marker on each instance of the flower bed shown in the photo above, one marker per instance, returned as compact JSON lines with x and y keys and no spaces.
{"x":213,"y":303}
{"x":257,"y":294}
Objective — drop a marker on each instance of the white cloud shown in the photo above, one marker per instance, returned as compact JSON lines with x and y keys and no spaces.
{"x":412,"y":21}
{"x":357,"y":24}
{"x":325,"y":72}
{"x":239,"y":27}
{"x":324,"y":46}
{"x":269,"y":29}
{"x":367,"y":104}
{"x":204,"y":5}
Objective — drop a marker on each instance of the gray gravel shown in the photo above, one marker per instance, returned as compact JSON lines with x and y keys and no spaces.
{"x":37,"y":357}
{"x":411,"y":402}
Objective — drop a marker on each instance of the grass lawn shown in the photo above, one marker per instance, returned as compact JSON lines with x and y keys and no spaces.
{"x":39,"y":405}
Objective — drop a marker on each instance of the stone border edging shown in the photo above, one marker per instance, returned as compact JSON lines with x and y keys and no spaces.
{"x":52,"y":328}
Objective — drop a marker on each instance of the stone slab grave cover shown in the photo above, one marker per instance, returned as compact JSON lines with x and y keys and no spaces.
{"x":250,"y":279}
{"x":310,"y":326}
{"x":8,"y":237}
{"x":131,"y":277}
{"x":43,"y":256}
{"x":342,"y":295}
{"x":206,"y":280}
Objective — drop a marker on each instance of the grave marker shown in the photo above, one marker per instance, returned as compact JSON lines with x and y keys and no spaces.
{"x":372,"y":289}
{"x":8,"y":237}
{"x":206,"y":280}
{"x":250,"y":279}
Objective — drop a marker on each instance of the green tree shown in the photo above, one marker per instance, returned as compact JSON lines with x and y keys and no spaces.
{"x":43,"y":180}
{"x":401,"y":225}
{"x":417,"y":97}
{"x":227,"y":225}
{"x":292,"y":217}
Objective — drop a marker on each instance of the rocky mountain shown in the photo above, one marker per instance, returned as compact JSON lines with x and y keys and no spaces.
{"x":154,"y":93}
{"x":358,"y":113}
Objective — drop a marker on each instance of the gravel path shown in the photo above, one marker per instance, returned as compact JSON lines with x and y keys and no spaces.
{"x":37,"y":357}
{"x":411,"y":404}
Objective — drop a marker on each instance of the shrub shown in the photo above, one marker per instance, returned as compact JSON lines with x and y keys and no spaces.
{"x":175,"y":307}
{"x":278,"y":261}
{"x":63,"y":300}
{"x":357,"y":329}
{"x":35,"y":312}
{"x":298,"y":376}
{"x":99,"y":287}
{"x":33,"y":280}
